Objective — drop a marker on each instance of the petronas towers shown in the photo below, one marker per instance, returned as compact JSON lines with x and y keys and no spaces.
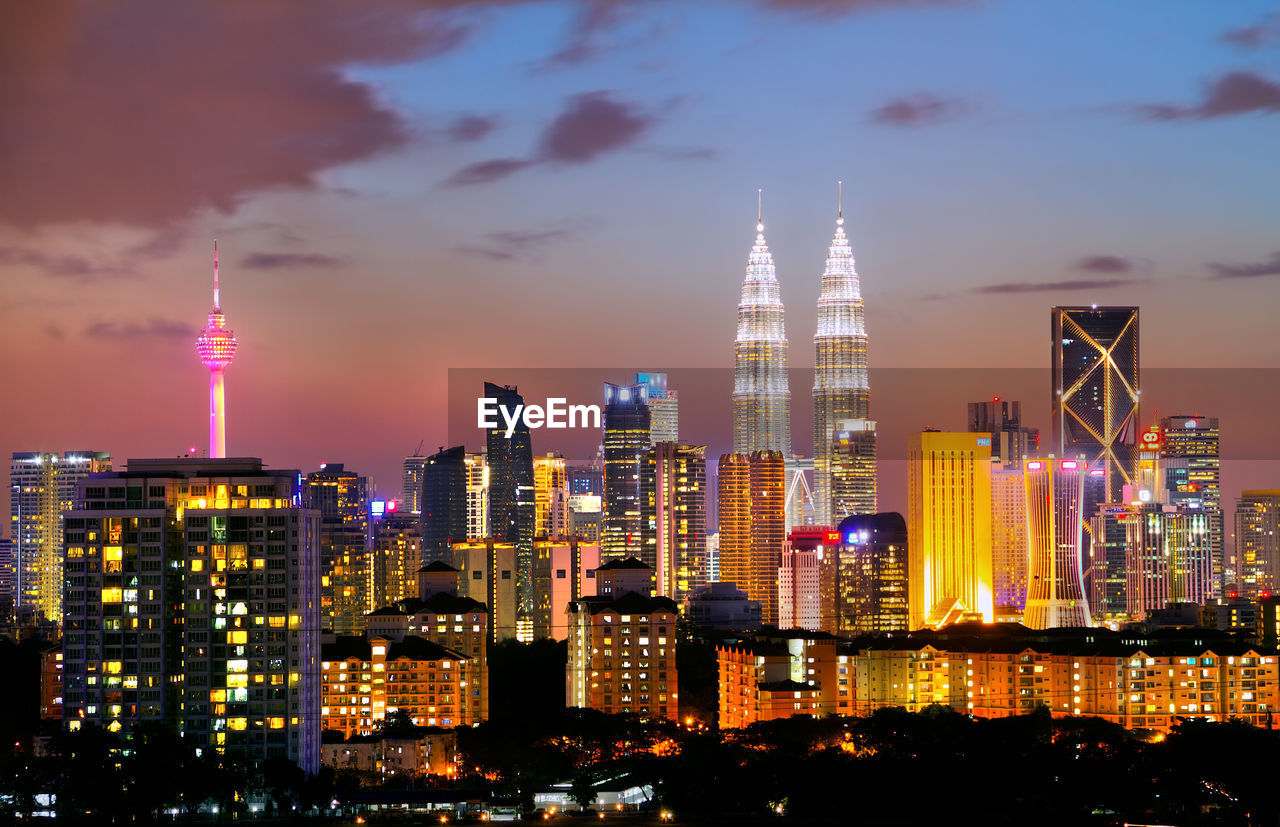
{"x":844,"y":450}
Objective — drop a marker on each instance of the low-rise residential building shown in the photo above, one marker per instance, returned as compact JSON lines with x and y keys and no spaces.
{"x":422,"y":751}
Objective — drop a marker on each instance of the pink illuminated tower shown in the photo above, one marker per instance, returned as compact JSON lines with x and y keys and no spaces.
{"x":217,"y":347}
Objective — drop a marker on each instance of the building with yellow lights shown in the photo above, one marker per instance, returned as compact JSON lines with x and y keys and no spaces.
{"x":622,"y":655}
{"x":782,"y":675}
{"x":549,"y":479}
{"x":346,"y":585}
{"x":753,"y":525}
{"x":363,"y":680}
{"x":949,"y":528}
{"x":193,"y":601}
{"x":488,"y":575}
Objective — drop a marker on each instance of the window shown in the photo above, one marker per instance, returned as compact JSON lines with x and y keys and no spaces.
{"x":560,"y":574}
{"x":506,"y":574}
{"x":477,"y":575}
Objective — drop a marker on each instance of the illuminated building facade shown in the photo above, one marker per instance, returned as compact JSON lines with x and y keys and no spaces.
{"x":477,"y":496}
{"x":864,"y":577}
{"x":841,"y":390}
{"x":851,"y":473}
{"x":511,"y":498}
{"x":782,"y":675}
{"x":51,"y":683}
{"x":548,"y":481}
{"x":193,"y":601}
{"x":761,"y":390}
{"x":41,"y":487}
{"x":799,"y":511}
{"x":1169,"y":557}
{"x":346,"y":585}
{"x":216,"y":346}
{"x":674,"y":493}
{"x":488,"y":574}
{"x":586,"y":479}
{"x":626,"y":439}
{"x":622,"y":656}
{"x":1095,"y":391}
{"x":1107,"y":578}
{"x":949,"y":526}
{"x":445,"y":500}
{"x":563,"y":571}
{"x":1055,"y":525}
{"x":455,"y":622}
{"x":411,"y":479}
{"x":363,"y":680}
{"x":1191,"y":462}
{"x":752,"y":521}
{"x":585,"y":517}
{"x":664,"y":408}
{"x":799,"y":577}
{"x":396,"y":553}
{"x":1011,"y":442}
{"x":1008,"y":538}
{"x":1258,"y":542}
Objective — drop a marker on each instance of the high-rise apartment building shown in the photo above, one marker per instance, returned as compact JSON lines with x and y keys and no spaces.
{"x":511,"y":497}
{"x":41,"y":487}
{"x":841,"y":391}
{"x":1191,"y":462}
{"x":799,"y":578}
{"x":1257,"y":551}
{"x":674,"y":492}
{"x":477,"y":496}
{"x":1008,"y":538}
{"x":864,"y":577}
{"x":1055,"y":529}
{"x":626,"y":440}
{"x":761,"y":389}
{"x":488,"y":574}
{"x":396,"y":554}
{"x":563,"y":571}
{"x":752,"y":525}
{"x":1011,"y":441}
{"x":664,"y":408}
{"x":1095,"y":390}
{"x":346,"y":593}
{"x":445,"y":502}
{"x":193,"y":601}
{"x":949,"y":528}
{"x":549,"y":480}
{"x":411,"y":479}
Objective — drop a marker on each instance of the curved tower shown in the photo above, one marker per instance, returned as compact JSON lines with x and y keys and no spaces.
{"x":843,"y":436}
{"x":1055,"y":531}
{"x":761,"y":393}
{"x":217,"y":347}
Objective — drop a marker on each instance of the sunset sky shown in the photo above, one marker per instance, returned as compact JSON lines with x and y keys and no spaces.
{"x":402,"y":187}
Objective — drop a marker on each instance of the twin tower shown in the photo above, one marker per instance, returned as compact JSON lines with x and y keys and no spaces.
{"x":843,"y":434}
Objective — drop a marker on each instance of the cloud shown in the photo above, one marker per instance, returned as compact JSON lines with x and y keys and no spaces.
{"x":154,"y":327}
{"x":839,"y":7}
{"x":1270,"y":267}
{"x":1052,"y":286}
{"x":285,"y":261}
{"x":520,"y":245}
{"x":921,"y":109}
{"x":62,"y":266}
{"x":1106,"y":264}
{"x":583,"y":44}
{"x":591,"y":125}
{"x":1235,"y":93}
{"x":471,"y":128}
{"x":144,"y":112}
{"x":1258,"y":36}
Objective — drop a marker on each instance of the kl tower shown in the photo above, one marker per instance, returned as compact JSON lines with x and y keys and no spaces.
{"x":217,"y":347}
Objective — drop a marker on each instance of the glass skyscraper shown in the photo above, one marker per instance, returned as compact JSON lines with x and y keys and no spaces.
{"x":511,"y":495}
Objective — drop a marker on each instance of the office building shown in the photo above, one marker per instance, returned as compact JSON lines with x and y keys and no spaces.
{"x":674,"y":493}
{"x":1106,"y":576}
{"x":477,"y":496}
{"x":445,"y":500}
{"x":563,"y":571}
{"x":799,"y":605}
{"x":1169,"y":557}
{"x":511,"y":497}
{"x":626,"y":439}
{"x":216,"y":347}
{"x":41,"y":487}
{"x":1257,"y":552}
{"x":752,"y":518}
{"x":396,"y":554}
{"x":411,"y":481}
{"x":1008,"y":538}
{"x":841,"y":391}
{"x":863,"y":585}
{"x":585,"y":517}
{"x":949,"y":528}
{"x":342,"y":498}
{"x":664,"y":408}
{"x":1055,"y":529}
{"x":1011,"y":441}
{"x":586,"y":479}
{"x":851,"y":474}
{"x":1191,"y":461}
{"x":722,"y":606}
{"x":550,"y":488}
{"x":761,"y":389}
{"x":193,"y":601}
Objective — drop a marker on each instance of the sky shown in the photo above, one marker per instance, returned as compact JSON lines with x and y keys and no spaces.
{"x":401,"y":188}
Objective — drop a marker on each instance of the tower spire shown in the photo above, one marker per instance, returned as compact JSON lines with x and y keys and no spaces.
{"x":840,"y":202}
{"x":760,"y":210}
{"x":217,"y":300}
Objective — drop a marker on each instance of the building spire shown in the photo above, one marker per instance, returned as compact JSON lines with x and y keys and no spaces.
{"x":840,"y":203}
{"x":217,"y":301}
{"x":760,"y":210}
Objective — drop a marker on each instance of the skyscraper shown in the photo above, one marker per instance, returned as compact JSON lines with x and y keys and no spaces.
{"x":41,"y":487}
{"x":1257,"y":552}
{"x":675,"y":501}
{"x":444,"y":503}
{"x":195,"y":605}
{"x":511,"y":497}
{"x":1008,"y":537}
{"x":841,"y":391}
{"x":1011,"y":441}
{"x":626,"y":439}
{"x":1095,"y":391}
{"x":411,"y":484}
{"x":1191,"y":461}
{"x":1055,"y":529}
{"x":346,"y":581}
{"x":864,"y":577}
{"x":752,"y":525}
{"x":949,"y":528}
{"x":664,"y":408}
{"x":549,"y":488}
{"x":851,"y":472}
{"x":217,"y":346}
{"x":1168,"y":557}
{"x":477,"y":496}
{"x":761,"y":391}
